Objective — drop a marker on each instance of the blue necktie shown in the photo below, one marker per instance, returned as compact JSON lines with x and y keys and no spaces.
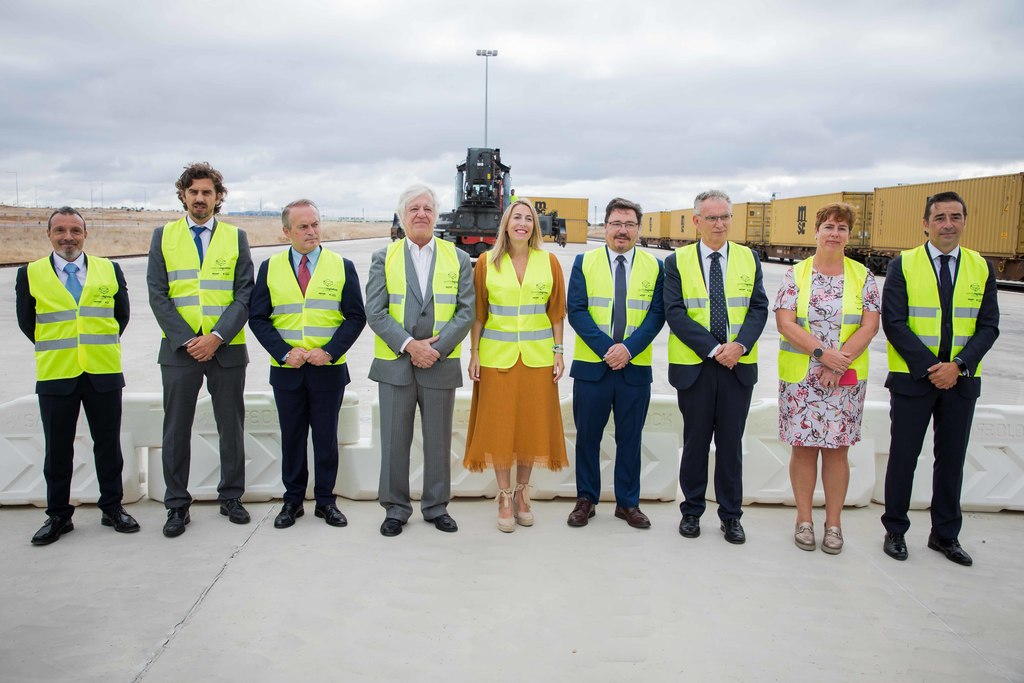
{"x":719,"y":316}
{"x":73,"y":285}
{"x":619,"y":307}
{"x":196,"y":232}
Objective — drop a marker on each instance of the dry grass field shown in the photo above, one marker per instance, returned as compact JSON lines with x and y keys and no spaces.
{"x":118,"y":232}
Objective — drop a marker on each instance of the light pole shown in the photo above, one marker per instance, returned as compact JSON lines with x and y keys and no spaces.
{"x":17,"y":201}
{"x":486,"y":54}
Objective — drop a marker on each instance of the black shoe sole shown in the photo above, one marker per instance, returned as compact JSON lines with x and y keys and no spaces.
{"x":938,"y":548}
{"x":691,"y":534}
{"x":67,"y":527}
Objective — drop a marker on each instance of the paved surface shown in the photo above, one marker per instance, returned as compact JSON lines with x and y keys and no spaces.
{"x":605,"y":603}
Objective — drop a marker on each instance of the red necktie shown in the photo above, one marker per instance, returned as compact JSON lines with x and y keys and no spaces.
{"x":304,"y":274}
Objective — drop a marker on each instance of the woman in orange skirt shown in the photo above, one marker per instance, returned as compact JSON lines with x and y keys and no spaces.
{"x":515,"y":363}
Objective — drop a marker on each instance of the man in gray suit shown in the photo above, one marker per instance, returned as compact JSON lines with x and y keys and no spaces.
{"x":420,"y":304}
{"x":200,"y":280}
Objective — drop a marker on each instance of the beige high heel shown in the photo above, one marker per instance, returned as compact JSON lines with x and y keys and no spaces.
{"x":522,"y":517}
{"x":505,"y":524}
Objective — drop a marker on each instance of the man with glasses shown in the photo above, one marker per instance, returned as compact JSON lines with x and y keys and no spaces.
{"x":615,"y":305}
{"x":716,"y":308}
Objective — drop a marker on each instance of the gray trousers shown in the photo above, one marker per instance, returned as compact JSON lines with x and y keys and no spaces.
{"x":397,"y":415}
{"x":181,"y":391}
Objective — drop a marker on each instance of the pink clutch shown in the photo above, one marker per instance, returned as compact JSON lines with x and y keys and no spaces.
{"x":849,"y":378}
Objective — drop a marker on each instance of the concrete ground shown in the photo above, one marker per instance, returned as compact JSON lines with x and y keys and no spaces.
{"x":605,"y":603}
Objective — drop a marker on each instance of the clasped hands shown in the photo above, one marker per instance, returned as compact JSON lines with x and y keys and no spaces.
{"x":944,"y":375}
{"x":297,"y":357}
{"x":422,"y":354}
{"x":203,"y":347}
{"x":729,"y":354}
{"x":833,"y":364}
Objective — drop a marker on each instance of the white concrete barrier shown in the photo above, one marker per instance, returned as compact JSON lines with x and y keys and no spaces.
{"x":22,"y":449}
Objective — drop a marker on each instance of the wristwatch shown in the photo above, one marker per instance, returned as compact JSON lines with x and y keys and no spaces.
{"x":818,"y":353}
{"x":962,"y":366}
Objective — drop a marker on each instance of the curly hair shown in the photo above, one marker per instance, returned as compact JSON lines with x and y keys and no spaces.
{"x":197,"y":171}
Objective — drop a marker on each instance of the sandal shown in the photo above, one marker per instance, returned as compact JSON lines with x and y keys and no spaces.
{"x":523,"y":517}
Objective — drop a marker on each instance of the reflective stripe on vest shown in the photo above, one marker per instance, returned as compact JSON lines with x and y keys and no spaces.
{"x":306,"y":322}
{"x":793,"y":363}
{"x":445,"y":287}
{"x":201,"y":295}
{"x":517,"y":320}
{"x":739,"y":286}
{"x":924,"y":306}
{"x":72,"y":338}
{"x":600,"y":284}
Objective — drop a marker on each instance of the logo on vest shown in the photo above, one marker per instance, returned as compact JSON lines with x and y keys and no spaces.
{"x":647,"y":289}
{"x":976,"y":293}
{"x":541,"y":291}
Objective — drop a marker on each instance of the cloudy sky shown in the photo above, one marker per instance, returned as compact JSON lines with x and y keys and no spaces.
{"x":348,"y":102}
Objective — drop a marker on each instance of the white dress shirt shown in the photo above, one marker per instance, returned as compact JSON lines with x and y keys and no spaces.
{"x":421,"y":260}
{"x":59,"y":264}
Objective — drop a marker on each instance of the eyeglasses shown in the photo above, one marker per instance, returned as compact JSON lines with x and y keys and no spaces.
{"x":725,"y":218}
{"x":619,"y":224}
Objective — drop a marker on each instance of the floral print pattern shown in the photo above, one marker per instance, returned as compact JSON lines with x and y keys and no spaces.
{"x":809,"y":414}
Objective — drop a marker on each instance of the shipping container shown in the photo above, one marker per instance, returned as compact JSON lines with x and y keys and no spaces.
{"x":654,"y":228}
{"x":792,"y":219}
{"x":682,"y":231}
{"x":750,"y":222}
{"x":994,"y":217}
{"x":576,"y":231}
{"x":569,"y":208}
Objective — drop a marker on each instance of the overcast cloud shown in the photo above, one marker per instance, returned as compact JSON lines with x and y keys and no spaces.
{"x":348,"y":102}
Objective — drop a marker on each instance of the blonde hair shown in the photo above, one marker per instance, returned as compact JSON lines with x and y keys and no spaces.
{"x":501,"y":244}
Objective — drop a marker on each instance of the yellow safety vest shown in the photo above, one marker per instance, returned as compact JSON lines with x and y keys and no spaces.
{"x":924,"y":306}
{"x":739,"y":286}
{"x":306,"y":322}
{"x":793,"y":364}
{"x":597,"y":270}
{"x":517,"y":319}
{"x":72,"y":338}
{"x":445,"y":288}
{"x":201,"y":295}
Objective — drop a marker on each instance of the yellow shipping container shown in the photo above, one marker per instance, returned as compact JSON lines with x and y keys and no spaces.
{"x":995,"y":214}
{"x":576,"y":231}
{"x":681,"y":227}
{"x":792,"y":220}
{"x":569,"y":208}
{"x":654,"y":226}
{"x":750,"y":221}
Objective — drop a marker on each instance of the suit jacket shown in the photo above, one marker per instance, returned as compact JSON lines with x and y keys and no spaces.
{"x":446,"y":373}
{"x":177,"y":331}
{"x":25,"y":304}
{"x":314,"y":377}
{"x":698,"y":337}
{"x":918,"y":357}
{"x":599,"y":341}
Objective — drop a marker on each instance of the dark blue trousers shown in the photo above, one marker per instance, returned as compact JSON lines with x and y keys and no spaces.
{"x":591,"y":404}
{"x":299,"y":411}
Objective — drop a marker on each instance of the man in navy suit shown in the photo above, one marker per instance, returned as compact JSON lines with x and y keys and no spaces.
{"x":940,"y":314}
{"x":74,"y":309}
{"x":716,"y":308}
{"x":615,"y":306}
{"x":307,"y":311}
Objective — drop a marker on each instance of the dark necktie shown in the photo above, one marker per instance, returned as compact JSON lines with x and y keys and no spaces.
{"x":946,"y":299}
{"x":304,"y":273}
{"x":196,"y":232}
{"x":716,"y":292}
{"x":619,"y":307}
{"x":73,"y":285}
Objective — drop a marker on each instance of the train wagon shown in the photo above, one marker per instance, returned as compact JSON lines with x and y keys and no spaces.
{"x":791,"y":227}
{"x":654,"y":229}
{"x":995,"y":221}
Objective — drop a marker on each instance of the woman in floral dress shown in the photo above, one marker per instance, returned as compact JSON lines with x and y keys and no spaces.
{"x":827,"y":313}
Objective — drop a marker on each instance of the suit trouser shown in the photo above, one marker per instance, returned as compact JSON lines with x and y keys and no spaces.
{"x":909,"y":416}
{"x":591,"y":404}
{"x":299,"y":412}
{"x":397,"y":415}
{"x":716,"y":405}
{"x":60,"y":418}
{"x":181,"y":391}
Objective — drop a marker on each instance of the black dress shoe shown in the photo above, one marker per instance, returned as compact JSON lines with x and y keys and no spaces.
{"x":52,"y":530}
{"x":120,"y":520}
{"x":733,"y":531}
{"x":331,"y":514}
{"x":895,"y":546}
{"x":689,"y":526}
{"x":950,"y":547}
{"x":288,"y":514}
{"x":391,"y":527}
{"x":445,"y":523}
{"x":177,"y":518}
{"x":233,"y":510}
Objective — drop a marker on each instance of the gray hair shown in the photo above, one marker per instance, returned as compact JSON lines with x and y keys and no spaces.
{"x":286,"y":215}
{"x":64,"y":211}
{"x":410,"y":193}
{"x":710,"y":194}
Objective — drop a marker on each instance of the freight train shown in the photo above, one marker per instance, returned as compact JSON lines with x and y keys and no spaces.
{"x":888,"y":222}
